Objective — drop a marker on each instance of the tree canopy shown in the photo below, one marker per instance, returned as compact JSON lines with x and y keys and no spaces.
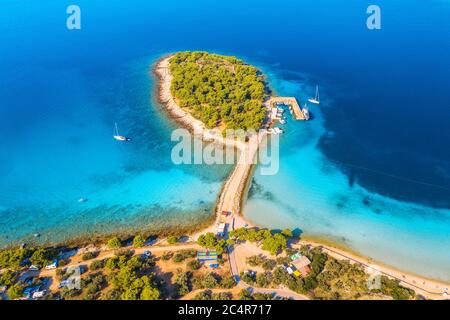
{"x":218,"y":90}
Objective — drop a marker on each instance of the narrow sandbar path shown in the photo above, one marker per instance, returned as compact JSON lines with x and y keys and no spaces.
{"x":234,"y":188}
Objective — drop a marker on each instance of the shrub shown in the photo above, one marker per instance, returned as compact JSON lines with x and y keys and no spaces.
{"x":283,"y":260}
{"x":69,"y":293}
{"x":269,"y":264}
{"x":395,"y":290}
{"x":138,"y":241}
{"x":172,"y":239}
{"x":244,"y":294}
{"x":262,"y":296}
{"x":131,"y":285}
{"x":94,"y":283}
{"x":227,"y":282}
{"x":183,"y":255}
{"x":15,"y":291}
{"x":208,"y":281}
{"x":96,"y":265}
{"x":63,"y":262}
{"x":89,"y":255}
{"x":182,"y":282}
{"x":60,"y":274}
{"x":256,"y":260}
{"x":221,"y":296}
{"x":280,"y":276}
{"x":114,"y":243}
{"x":12,"y":258}
{"x":113,"y":294}
{"x":274,"y":244}
{"x":209,"y":240}
{"x":127,"y":253}
{"x":178,"y":257}
{"x":287,"y":233}
{"x":112,"y":263}
{"x":209,"y":295}
{"x":247,"y":278}
{"x":194,"y":264}
{"x":167,"y":255}
{"x":7,"y":278}
{"x":42,"y":257}
{"x":203,"y":295}
{"x":263,"y":279}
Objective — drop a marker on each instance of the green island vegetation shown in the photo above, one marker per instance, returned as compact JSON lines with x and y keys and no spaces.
{"x":221,"y":91}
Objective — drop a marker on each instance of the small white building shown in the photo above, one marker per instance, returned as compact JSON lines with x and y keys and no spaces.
{"x":38,"y":294}
{"x":52,"y":266}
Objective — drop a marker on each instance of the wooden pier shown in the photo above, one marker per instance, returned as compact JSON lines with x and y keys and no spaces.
{"x":291,"y":102}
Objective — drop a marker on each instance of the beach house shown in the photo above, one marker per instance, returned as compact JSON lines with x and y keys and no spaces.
{"x":302,"y":264}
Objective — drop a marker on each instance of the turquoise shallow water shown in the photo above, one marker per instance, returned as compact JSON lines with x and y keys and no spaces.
{"x":68,"y":153}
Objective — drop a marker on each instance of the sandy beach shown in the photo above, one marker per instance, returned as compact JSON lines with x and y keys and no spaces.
{"x":182,"y":116}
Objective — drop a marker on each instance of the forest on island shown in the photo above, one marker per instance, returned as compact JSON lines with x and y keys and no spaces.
{"x":221,"y":91}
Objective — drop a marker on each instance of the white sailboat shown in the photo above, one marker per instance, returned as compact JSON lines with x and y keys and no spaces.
{"x":316,"y":99}
{"x":117,"y":136}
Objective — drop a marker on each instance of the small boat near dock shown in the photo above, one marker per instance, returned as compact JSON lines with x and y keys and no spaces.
{"x":277,"y":130}
{"x":306,"y":113}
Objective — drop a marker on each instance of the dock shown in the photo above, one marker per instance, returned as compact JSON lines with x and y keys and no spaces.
{"x":292,"y":103}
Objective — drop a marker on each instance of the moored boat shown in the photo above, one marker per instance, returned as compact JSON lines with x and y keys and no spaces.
{"x":118,"y":137}
{"x":316,"y":99}
{"x":306,"y":112}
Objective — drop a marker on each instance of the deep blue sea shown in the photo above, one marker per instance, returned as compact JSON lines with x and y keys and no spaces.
{"x":371,"y":170}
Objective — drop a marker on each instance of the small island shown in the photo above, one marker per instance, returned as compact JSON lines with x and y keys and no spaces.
{"x":222,"y":92}
{"x":211,"y":93}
